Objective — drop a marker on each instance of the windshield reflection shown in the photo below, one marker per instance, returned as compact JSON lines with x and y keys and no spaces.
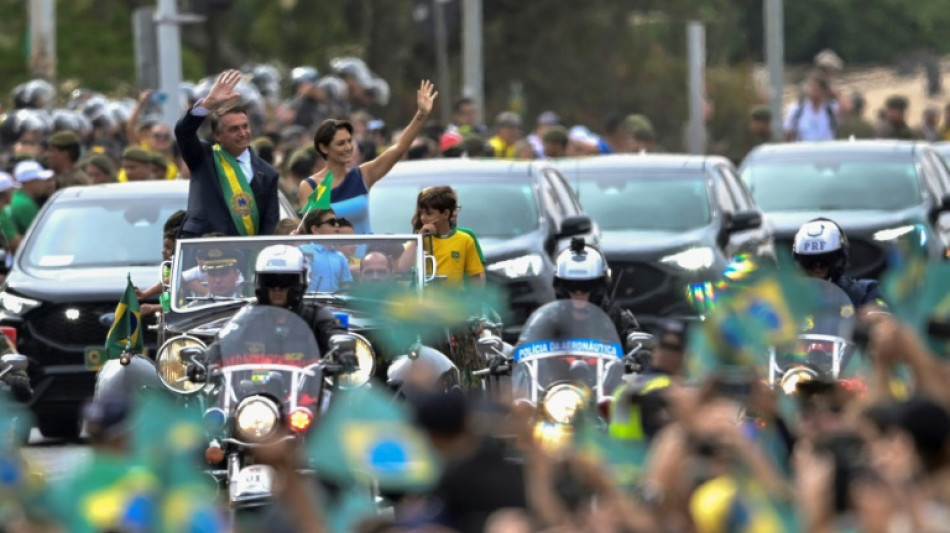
{"x":220,"y":271}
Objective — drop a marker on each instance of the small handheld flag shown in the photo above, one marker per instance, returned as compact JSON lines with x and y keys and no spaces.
{"x":320,"y":197}
{"x":126,"y":330}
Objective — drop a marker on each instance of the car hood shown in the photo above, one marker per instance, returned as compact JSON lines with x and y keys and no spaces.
{"x":617,"y":242}
{"x":79,"y":284}
{"x":786,"y":223}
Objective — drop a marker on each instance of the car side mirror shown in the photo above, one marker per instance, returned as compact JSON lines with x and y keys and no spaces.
{"x":575,"y":225}
{"x":744,"y":220}
{"x":15,"y":361}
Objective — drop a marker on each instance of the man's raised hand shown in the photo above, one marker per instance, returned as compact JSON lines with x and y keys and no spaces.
{"x":222,"y":92}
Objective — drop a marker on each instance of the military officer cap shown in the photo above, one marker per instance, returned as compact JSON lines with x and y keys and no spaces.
{"x":137,"y":153}
{"x":64,"y":139}
{"x":762,"y":114}
{"x":896,"y":102}
{"x":216,"y":257}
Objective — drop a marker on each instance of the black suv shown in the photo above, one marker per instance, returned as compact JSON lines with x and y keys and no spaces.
{"x":68,"y":276}
{"x":517,"y":209}
{"x":877,"y":191}
{"x":667,"y":222}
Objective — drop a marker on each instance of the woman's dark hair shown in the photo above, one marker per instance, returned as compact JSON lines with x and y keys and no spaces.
{"x":327,"y":130}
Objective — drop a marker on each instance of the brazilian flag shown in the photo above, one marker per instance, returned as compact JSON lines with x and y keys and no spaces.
{"x":320,"y":197}
{"x":126,"y":330}
{"x":366,"y":437}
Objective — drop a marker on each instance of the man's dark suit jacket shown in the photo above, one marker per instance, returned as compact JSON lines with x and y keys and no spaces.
{"x":207,"y":210}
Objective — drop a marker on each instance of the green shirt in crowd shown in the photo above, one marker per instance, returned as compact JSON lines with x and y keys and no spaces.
{"x":7,"y":227}
{"x":22,"y":210}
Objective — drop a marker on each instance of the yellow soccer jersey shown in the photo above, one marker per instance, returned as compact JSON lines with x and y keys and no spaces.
{"x":456,"y":257}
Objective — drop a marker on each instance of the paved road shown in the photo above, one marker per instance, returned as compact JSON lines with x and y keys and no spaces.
{"x":56,"y":458}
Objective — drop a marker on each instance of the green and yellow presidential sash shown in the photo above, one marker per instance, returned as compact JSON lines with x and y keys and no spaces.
{"x":237,"y":193}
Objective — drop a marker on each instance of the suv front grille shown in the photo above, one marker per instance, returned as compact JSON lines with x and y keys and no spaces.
{"x":75,"y":325}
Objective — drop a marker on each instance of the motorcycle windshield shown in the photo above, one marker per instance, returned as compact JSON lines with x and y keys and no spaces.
{"x":824,"y":335}
{"x":567,"y":341}
{"x":263,"y":351}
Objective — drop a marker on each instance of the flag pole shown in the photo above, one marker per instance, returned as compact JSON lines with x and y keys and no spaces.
{"x":304,"y":217}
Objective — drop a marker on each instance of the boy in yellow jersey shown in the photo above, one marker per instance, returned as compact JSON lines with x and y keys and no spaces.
{"x":455,"y":251}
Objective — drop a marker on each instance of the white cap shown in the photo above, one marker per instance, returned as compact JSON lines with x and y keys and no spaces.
{"x":30,"y":170}
{"x":6,"y":182}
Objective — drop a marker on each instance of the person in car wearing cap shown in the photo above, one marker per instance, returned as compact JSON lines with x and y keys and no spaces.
{"x":221,"y":267}
{"x":35,"y":188}
{"x":63,"y":155}
{"x":137,"y":164}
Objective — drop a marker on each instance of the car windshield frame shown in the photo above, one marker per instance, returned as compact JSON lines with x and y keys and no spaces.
{"x":461,"y":182}
{"x":187,"y":249}
{"x":846,"y":198}
{"x":585,"y":190}
{"x":40,"y":232}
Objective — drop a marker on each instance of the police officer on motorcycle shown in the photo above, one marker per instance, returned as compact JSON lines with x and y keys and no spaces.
{"x":581,"y":273}
{"x":281,"y":276}
{"x":821,"y":249}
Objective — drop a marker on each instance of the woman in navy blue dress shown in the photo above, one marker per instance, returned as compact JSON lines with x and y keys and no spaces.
{"x":349,"y":196}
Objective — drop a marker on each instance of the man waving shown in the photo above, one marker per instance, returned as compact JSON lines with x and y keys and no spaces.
{"x":232,"y":191}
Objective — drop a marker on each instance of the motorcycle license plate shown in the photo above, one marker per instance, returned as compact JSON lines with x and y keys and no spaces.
{"x":95,"y":357}
{"x":252,"y":482}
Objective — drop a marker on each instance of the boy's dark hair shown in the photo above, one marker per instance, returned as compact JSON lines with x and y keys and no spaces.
{"x":313,"y":218}
{"x":345,"y":223}
{"x":440,"y":198}
{"x":327,"y":131}
{"x":174,"y":221}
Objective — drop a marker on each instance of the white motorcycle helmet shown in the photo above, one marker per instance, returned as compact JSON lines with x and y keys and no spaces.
{"x":281,"y":266}
{"x":821,"y":243}
{"x":581,"y":268}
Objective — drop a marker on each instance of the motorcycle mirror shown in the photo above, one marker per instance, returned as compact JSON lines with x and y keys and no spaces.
{"x":192,"y":353}
{"x":645,"y":340}
{"x":341,"y":342}
{"x":15,"y":361}
{"x":490,"y":342}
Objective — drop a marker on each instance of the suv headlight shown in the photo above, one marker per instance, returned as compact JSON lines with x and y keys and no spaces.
{"x":692,"y":259}
{"x":891,"y":234}
{"x":519,"y":267}
{"x":17,"y":305}
{"x":256,"y":418}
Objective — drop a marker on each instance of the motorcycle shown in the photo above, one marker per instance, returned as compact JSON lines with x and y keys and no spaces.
{"x":263,"y":381}
{"x":568,"y":360}
{"x":824,"y":348}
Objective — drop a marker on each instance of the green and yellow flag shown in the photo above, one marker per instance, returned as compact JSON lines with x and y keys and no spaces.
{"x":365,"y":436}
{"x":320,"y":197}
{"x":126,"y":330}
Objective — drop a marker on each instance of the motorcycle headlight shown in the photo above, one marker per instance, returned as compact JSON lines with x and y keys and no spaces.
{"x":563,"y":402}
{"x":891,"y":234}
{"x":172,"y":370}
{"x":17,"y":305}
{"x":256,"y":418}
{"x":366,"y":358}
{"x":793,"y":377}
{"x":692,"y":259}
{"x":519,"y":267}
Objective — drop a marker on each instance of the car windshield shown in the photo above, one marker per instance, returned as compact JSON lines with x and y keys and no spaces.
{"x":216,"y":272}
{"x":107,"y":232}
{"x":645,"y":200}
{"x":804,"y":184}
{"x":492,"y":208}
